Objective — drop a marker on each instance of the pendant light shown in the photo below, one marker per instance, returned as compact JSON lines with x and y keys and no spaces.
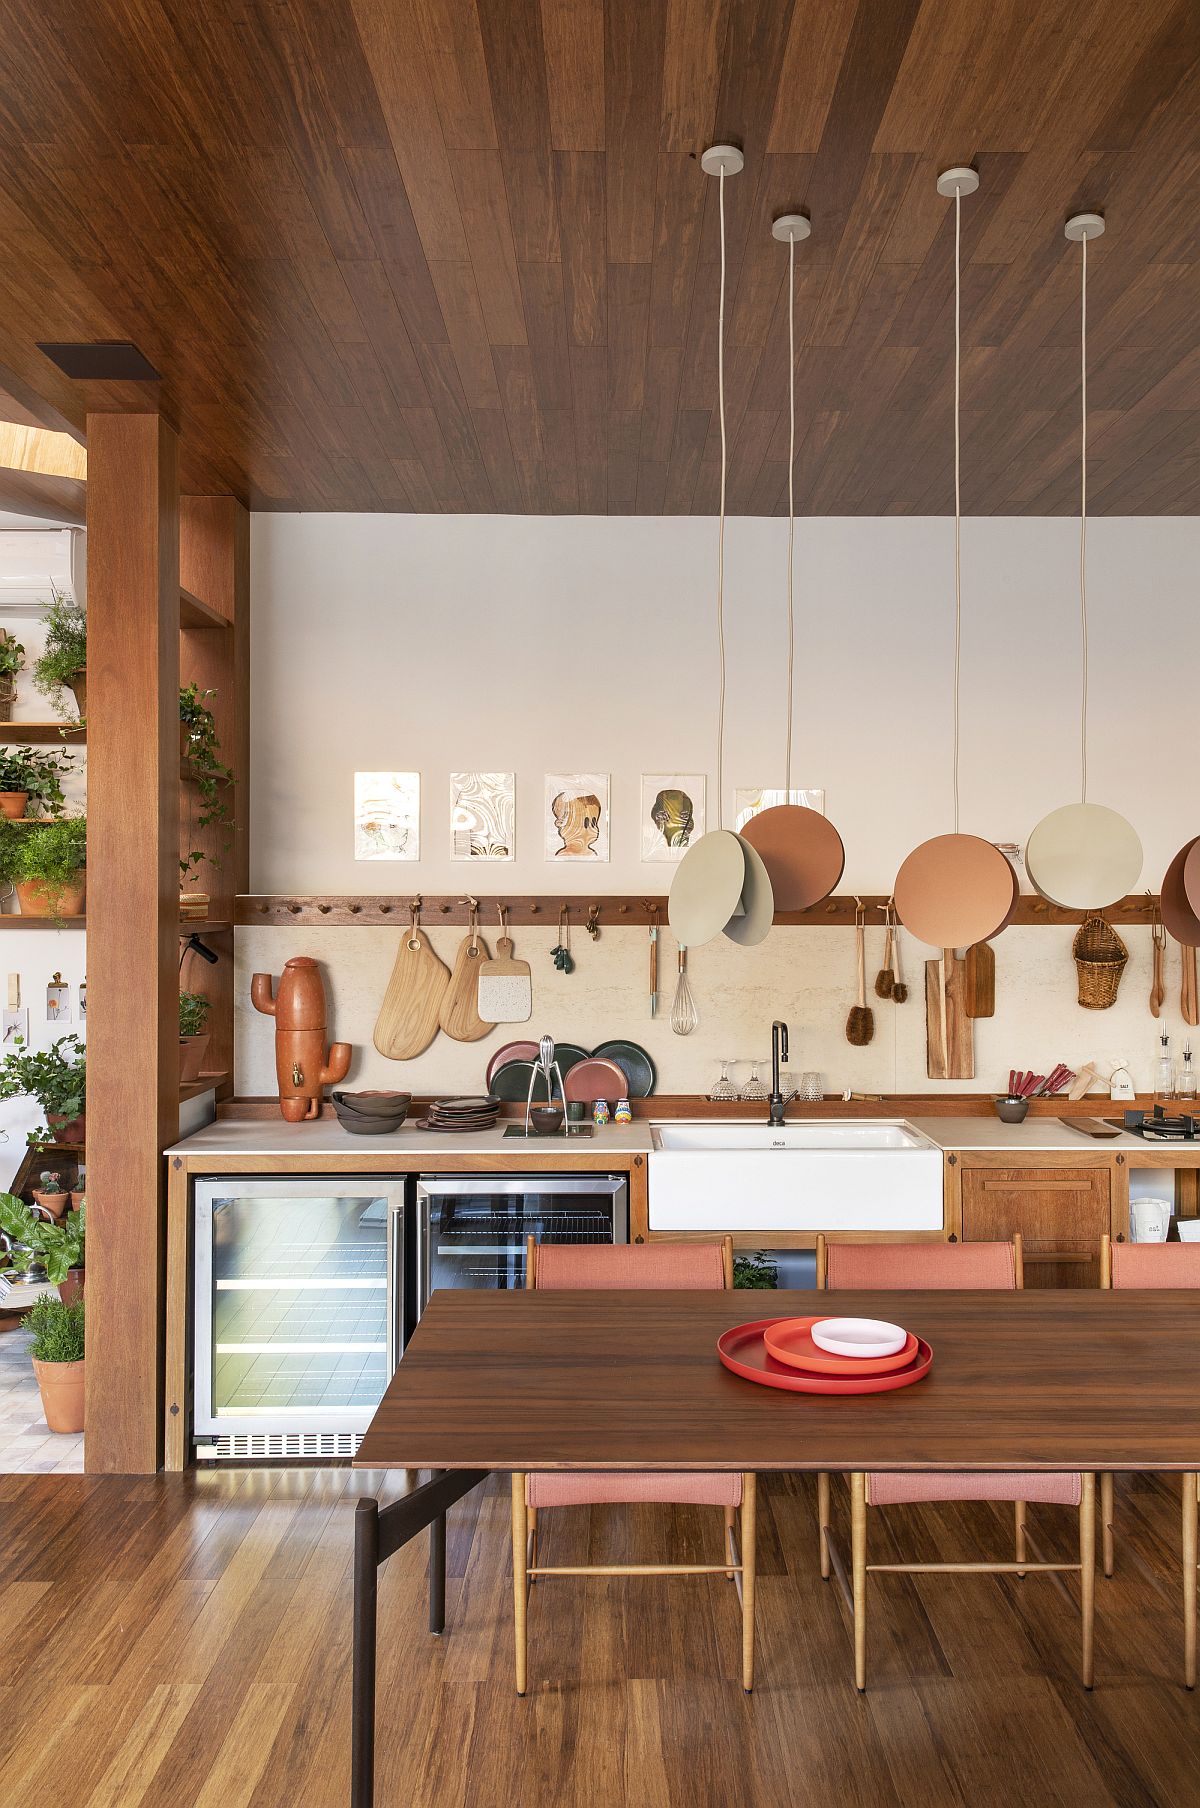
{"x":1083,"y":856}
{"x":800,"y":848}
{"x":955,"y":890}
{"x":720,"y":884}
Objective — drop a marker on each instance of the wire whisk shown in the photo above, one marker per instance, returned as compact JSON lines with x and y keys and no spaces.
{"x":684,"y":1015}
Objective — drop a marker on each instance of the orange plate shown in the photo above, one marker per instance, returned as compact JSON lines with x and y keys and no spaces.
{"x":743,"y":1351}
{"x":790,"y":1340}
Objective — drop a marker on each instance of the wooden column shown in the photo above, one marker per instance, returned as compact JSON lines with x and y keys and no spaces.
{"x":133,"y":923}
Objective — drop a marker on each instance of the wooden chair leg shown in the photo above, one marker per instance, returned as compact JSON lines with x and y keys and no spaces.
{"x":858,"y":1536}
{"x":1106,"y":1521}
{"x":520,"y":1530}
{"x":1087,"y":1575}
{"x":749,"y":1491}
{"x":531,"y":1514}
{"x":1189,"y":1580}
{"x":823,"y":1520}
{"x":1020,"y":1510}
{"x":730,"y":1523}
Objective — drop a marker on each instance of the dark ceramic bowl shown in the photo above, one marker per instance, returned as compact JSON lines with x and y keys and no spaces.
{"x":1011,"y":1111}
{"x":546,"y":1119}
{"x":370,"y":1126}
{"x":373,"y":1104}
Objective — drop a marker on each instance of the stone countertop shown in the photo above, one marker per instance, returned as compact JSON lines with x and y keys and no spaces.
{"x":1034,"y":1135}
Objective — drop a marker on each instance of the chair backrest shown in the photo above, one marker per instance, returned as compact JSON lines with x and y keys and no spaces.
{"x":1149,"y":1264}
{"x":931,"y":1266}
{"x":699,"y":1267}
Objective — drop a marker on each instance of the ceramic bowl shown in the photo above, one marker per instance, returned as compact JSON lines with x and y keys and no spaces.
{"x":858,"y":1336}
{"x":373,"y":1104}
{"x":546,"y":1119}
{"x":1011,"y":1111}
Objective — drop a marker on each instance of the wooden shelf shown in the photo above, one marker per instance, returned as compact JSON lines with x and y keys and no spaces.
{"x":195,"y":614}
{"x":204,"y":925}
{"x":17,"y":921}
{"x":206,"y":1083}
{"x":31,"y":734}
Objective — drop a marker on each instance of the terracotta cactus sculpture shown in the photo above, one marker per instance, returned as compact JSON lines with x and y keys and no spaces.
{"x":301,"y":1065}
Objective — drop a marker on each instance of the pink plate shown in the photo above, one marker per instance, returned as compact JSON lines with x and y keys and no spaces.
{"x":742,"y":1349}
{"x":594,"y":1079}
{"x":789,"y":1340}
{"x":512,"y":1051}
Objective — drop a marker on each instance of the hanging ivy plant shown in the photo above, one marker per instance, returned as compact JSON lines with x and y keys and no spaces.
{"x":201,"y":751}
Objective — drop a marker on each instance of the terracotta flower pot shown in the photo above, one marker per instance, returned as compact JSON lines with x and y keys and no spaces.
{"x":54,"y":1203}
{"x":78,"y":688}
{"x":61,"y":1387}
{"x":69,"y":1130}
{"x":39,"y":900}
{"x":12,"y":804}
{"x":77,"y":1198}
{"x":192,"y":1050}
{"x":68,"y":1292}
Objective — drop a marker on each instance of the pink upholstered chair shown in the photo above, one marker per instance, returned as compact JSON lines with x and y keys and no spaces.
{"x":931,"y":1266}
{"x":655,"y":1266}
{"x":1157,"y":1265}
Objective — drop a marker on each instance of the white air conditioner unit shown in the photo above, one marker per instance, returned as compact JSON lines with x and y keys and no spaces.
{"x":36,"y":560}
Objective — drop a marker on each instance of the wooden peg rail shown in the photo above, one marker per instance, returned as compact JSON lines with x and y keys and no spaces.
{"x":610,"y":912}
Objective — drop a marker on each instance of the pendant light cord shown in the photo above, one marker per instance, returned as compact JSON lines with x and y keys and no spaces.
{"x":957,"y":480}
{"x":791,"y":540}
{"x":721,"y":530}
{"x":1083,"y":617}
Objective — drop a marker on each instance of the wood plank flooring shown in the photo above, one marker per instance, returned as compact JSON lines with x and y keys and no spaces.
{"x":178,"y":1641}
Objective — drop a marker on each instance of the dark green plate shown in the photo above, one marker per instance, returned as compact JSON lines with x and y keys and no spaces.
{"x":634,"y":1063}
{"x":512,"y":1082}
{"x":569,"y":1055}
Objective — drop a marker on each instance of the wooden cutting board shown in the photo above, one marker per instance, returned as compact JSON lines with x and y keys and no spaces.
{"x":408,"y":1017}
{"x":980,"y":999}
{"x":459,"y":1015}
{"x":505,"y":987}
{"x":961,"y":1065}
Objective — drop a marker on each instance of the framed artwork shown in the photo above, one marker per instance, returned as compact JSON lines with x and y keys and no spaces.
{"x":387,"y":815}
{"x":483,"y":808}
{"x":748,"y":802}
{"x":672,"y":813}
{"x":576,"y":816}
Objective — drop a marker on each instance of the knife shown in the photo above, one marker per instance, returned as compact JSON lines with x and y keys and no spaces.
{"x":654,"y":969}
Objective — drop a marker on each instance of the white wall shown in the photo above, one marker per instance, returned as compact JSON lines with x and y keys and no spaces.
{"x":534,"y":645}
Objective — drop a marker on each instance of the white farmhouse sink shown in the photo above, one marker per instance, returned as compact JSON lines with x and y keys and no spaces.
{"x":841,"y":1175}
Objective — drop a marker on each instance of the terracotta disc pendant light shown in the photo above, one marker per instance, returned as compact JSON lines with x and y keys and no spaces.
{"x":1084,"y":856}
{"x":800,"y":848}
{"x":955,"y":889}
{"x":720,"y":884}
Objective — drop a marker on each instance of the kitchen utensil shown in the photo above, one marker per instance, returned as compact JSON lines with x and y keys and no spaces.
{"x":1179,"y":914}
{"x":635,"y":1064}
{"x":1158,"y":939}
{"x":654,"y":964}
{"x":858,"y":1336}
{"x":1087,"y":1076}
{"x":1188,"y":1002}
{"x":512,"y":1051}
{"x":408,"y":1017}
{"x":955,"y":890}
{"x":373,"y":1104}
{"x":1090,"y":1126}
{"x":757,"y":914}
{"x":595,"y":1079}
{"x":505,"y":986}
{"x":1083,"y":856}
{"x":459,"y":1015}
{"x":791,"y":1341}
{"x":1011,"y":1111}
{"x":684,"y":1015}
{"x":706,"y":892}
{"x":743,"y":1351}
{"x":860,"y":1024}
{"x":885,"y":979}
{"x":948,"y":1029}
{"x":355,"y":1124}
{"x":801,"y":850}
{"x":546,"y":1119}
{"x":899,"y":989}
{"x":980,"y":996}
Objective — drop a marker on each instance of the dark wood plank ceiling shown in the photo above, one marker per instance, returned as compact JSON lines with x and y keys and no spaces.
{"x":459,"y":254}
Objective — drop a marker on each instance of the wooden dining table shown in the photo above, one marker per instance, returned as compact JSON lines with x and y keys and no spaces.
{"x":1054,"y":1380}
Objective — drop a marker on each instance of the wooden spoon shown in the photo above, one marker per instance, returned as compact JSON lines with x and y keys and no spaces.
{"x":1158,"y":986}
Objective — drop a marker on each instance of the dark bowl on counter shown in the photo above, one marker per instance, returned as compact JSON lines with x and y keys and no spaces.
{"x":1011,"y":1111}
{"x":369,"y":1126}
{"x":546,"y":1119}
{"x":372,"y":1104}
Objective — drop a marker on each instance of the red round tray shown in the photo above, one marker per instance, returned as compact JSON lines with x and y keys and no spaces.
{"x":742,"y":1349}
{"x":789,"y":1340}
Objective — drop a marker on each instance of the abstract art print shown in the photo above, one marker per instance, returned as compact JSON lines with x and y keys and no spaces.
{"x":482,"y":815}
{"x":672,"y":813}
{"x":387,"y":815}
{"x":749,"y":802}
{"x":577,"y":816}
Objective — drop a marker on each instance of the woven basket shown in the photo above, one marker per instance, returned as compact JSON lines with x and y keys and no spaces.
{"x":1100,"y":957}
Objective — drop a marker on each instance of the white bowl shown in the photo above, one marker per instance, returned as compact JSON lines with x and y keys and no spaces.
{"x":859,"y":1337}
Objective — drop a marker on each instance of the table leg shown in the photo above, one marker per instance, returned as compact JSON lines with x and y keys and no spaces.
{"x":437,"y":1574}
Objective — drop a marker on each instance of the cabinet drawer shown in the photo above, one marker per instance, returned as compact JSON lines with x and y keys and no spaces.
{"x":1061,"y":1214}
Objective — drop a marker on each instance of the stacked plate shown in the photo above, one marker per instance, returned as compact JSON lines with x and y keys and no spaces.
{"x":454,"y":1115}
{"x":371,"y":1113}
{"x":826,"y":1355}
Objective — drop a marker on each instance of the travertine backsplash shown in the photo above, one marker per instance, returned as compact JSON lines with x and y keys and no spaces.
{"x":805,"y":976}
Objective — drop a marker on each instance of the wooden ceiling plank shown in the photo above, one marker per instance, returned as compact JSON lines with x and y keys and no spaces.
{"x":693,"y":42}
{"x":384,"y":201}
{"x":678,"y":220}
{"x":634,"y":33}
{"x":687,"y":451}
{"x":450,"y":34}
{"x":457,"y":425}
{"x":808,"y":74}
{"x":589,"y":388}
{"x":580,"y":180}
{"x":657,"y":427}
{"x":573,"y":45}
{"x":483,"y":204}
{"x":459,"y":302}
{"x":546,"y":315}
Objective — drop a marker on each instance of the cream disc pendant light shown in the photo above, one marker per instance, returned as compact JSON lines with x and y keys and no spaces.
{"x":800,"y":849}
{"x":955,"y":889}
{"x":1083,"y":856}
{"x":720,"y":884}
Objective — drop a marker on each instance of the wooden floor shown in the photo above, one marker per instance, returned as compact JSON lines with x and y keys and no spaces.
{"x":185,"y":1640}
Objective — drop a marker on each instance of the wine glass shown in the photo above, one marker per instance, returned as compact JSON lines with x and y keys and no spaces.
{"x":753,"y":1092}
{"x":725,"y":1088}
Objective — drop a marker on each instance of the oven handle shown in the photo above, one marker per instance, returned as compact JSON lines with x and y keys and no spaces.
{"x":433,"y":1186}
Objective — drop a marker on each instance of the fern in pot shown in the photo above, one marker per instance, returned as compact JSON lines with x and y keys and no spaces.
{"x":57,"y":1353}
{"x":57,"y":1078}
{"x":63,"y":664}
{"x":193,"y":1036}
{"x":46,"y":863}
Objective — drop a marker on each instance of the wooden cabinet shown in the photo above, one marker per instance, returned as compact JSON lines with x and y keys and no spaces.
{"x":1061,"y":1213}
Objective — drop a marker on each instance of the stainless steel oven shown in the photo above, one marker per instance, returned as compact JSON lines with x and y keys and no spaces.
{"x":471,"y":1229}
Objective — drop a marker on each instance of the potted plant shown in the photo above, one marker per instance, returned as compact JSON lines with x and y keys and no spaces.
{"x":199,"y":752}
{"x":46,"y":863}
{"x":31,"y":782}
{"x":63,"y":664}
{"x":51,"y":1194}
{"x":32,"y":1243}
{"x":57,"y":1078}
{"x":79,"y":1190}
{"x":193,"y":1037}
{"x":57,"y":1352}
{"x":12,"y":658}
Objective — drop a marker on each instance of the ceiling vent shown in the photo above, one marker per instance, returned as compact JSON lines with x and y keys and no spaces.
{"x":102,"y":360}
